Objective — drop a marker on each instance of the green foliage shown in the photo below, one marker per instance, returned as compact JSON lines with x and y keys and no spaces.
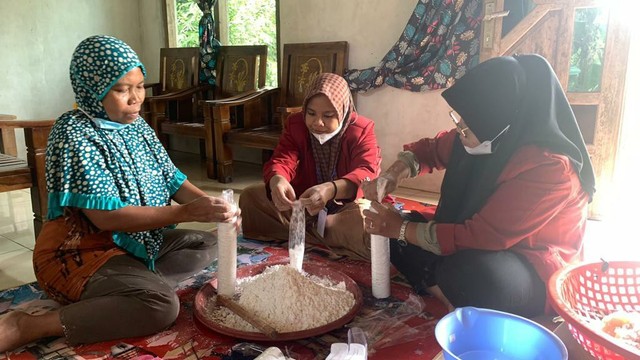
{"x":589,"y":37}
{"x":188,"y":16}
{"x":251,"y":22}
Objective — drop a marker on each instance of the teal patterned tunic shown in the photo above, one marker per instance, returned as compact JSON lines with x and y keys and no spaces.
{"x":94,"y":163}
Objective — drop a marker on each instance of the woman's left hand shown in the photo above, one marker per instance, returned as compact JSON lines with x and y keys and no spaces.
{"x":385,"y":222}
{"x":316,"y":197}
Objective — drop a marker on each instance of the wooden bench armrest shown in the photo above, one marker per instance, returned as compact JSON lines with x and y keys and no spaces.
{"x":155,"y":88}
{"x":178,"y":95}
{"x":241,"y":99}
{"x":231,"y":98}
{"x":8,"y":137}
{"x":22,"y":124}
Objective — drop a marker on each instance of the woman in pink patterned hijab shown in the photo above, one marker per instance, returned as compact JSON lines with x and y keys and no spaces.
{"x":324,"y":154}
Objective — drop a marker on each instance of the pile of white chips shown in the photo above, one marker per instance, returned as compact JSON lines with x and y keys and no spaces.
{"x":287,"y":300}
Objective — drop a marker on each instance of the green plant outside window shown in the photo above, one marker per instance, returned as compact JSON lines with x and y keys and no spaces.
{"x":589,"y":38}
{"x":250,"y":22}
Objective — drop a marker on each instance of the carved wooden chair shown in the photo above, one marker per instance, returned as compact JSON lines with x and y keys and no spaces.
{"x":175,"y":111}
{"x":256,"y":120}
{"x":170,"y":109}
{"x":16,"y":173}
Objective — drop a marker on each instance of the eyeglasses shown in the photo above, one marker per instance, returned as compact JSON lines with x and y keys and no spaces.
{"x":456,"y":121}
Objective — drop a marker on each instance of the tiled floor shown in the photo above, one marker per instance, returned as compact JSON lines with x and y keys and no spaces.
{"x":16,"y":239}
{"x":16,"y":225}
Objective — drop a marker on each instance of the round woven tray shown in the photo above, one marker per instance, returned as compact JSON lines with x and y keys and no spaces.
{"x":208,"y":291}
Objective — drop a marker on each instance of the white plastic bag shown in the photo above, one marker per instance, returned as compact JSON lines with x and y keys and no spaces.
{"x":297,"y":233}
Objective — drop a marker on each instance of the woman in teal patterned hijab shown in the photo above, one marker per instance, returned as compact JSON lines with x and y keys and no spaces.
{"x":137,"y":170}
{"x":110,"y":251}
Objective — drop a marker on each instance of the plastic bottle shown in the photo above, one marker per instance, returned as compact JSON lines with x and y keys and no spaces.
{"x":227,"y":252}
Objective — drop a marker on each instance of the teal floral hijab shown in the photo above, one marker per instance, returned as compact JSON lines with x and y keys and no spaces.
{"x":95,"y":163}
{"x":96,"y":65}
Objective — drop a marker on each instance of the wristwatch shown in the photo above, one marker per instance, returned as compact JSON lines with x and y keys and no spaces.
{"x":403,"y":230}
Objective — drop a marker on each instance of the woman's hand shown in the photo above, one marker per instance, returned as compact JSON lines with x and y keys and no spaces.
{"x":316,"y":197}
{"x":211,"y":209}
{"x":387,"y":184}
{"x":282,"y":193}
{"x":385,"y":220}
{"x":141,"y":218}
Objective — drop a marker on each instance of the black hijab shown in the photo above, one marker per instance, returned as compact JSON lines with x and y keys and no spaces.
{"x":524,"y":93}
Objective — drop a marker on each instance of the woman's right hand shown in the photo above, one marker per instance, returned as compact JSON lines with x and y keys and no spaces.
{"x":282,"y":193}
{"x":211,"y":209}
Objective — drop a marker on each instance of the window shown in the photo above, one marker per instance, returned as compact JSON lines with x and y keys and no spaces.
{"x":239,"y":22}
{"x":188,"y":16}
{"x":587,"y":53}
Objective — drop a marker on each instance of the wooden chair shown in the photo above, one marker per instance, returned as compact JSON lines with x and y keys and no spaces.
{"x":175,"y":111}
{"x":8,"y":138}
{"x":15,"y":173}
{"x":178,"y":74}
{"x":256,"y":120}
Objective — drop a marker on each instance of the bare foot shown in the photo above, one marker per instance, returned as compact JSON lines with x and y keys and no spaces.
{"x":18,"y":328}
{"x":10,"y":335}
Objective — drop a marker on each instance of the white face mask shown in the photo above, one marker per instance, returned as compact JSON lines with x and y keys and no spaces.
{"x":485,"y":147}
{"x":323,"y":138}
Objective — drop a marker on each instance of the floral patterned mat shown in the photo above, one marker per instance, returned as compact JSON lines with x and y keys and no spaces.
{"x":401,"y":327}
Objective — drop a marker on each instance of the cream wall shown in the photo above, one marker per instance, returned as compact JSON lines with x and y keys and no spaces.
{"x":152,"y":37}
{"x":37,"y":38}
{"x":372,"y":27}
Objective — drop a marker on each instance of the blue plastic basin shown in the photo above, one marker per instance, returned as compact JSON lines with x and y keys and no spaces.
{"x":474,"y":333}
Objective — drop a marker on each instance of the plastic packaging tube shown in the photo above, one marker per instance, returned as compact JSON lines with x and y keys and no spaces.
{"x":380,"y":257}
{"x":296,"y":236}
{"x":227,"y":252}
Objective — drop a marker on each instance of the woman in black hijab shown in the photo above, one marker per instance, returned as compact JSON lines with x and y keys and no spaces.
{"x":514,"y":197}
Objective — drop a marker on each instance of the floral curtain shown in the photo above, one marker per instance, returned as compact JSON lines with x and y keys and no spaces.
{"x":209,"y":45}
{"x":439,"y":44}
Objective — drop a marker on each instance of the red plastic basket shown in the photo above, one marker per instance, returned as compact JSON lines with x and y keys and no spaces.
{"x":583,"y":294}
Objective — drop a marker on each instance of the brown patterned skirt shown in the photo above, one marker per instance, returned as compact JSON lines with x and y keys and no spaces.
{"x":64,"y":259}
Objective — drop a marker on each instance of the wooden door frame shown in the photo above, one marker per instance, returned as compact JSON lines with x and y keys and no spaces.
{"x":610,"y":100}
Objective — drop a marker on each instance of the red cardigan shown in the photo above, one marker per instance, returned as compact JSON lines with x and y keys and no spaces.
{"x":538,"y":210}
{"x":359,"y":156}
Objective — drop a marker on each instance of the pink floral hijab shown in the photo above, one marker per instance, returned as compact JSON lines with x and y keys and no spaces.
{"x":335,"y":88}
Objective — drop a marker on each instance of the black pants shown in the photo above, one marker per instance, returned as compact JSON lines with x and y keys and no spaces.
{"x":499,"y":280}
